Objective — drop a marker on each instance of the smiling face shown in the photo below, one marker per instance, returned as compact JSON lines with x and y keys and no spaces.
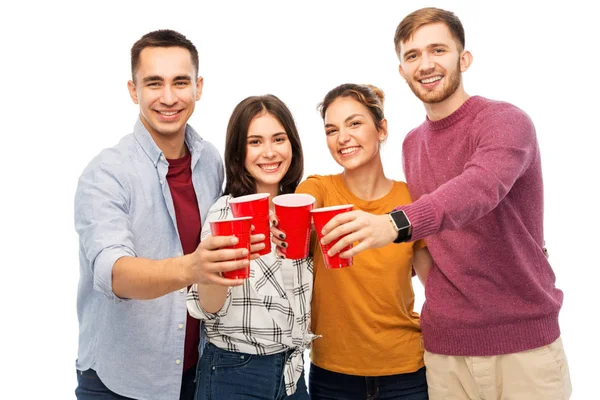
{"x":352,"y":136}
{"x":268,"y":152}
{"x":432,"y":64}
{"x":166,"y":90}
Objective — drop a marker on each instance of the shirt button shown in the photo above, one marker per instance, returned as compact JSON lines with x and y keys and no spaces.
{"x":161,"y":181}
{"x":181,"y":290}
{"x":162,"y":158}
{"x":180,"y":326}
{"x":178,"y":361}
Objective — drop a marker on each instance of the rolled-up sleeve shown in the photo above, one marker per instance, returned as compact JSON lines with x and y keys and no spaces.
{"x":103,"y":224}
{"x":195,"y":308}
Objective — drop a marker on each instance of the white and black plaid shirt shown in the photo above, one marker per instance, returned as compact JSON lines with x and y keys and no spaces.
{"x":257,"y":317}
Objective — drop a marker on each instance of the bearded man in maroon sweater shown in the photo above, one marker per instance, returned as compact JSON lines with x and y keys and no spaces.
{"x":490,"y":319}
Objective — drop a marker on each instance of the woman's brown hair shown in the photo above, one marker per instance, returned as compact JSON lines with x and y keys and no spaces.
{"x":238,"y":181}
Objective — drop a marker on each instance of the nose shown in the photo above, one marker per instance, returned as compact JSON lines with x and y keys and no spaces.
{"x":343,"y":136}
{"x":268,"y":151}
{"x":426,"y":62}
{"x":168,"y":96}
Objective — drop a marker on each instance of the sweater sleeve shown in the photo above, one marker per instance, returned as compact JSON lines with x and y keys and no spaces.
{"x":505,"y":146}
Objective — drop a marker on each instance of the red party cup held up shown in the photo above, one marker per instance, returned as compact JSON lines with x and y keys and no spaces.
{"x":321,"y":216}
{"x":257,"y":207}
{"x":240,"y":228}
{"x":293,"y":214}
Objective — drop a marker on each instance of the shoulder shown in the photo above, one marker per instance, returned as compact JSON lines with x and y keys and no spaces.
{"x":400,"y":185}
{"x":315,"y":183}
{"x":320,"y":179}
{"x":113,"y":160}
{"x":412,"y":135}
{"x":501,"y":112}
{"x":401,"y":194}
{"x":222,"y":203}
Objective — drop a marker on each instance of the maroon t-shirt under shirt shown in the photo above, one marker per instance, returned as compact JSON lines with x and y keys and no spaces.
{"x":189,"y":225}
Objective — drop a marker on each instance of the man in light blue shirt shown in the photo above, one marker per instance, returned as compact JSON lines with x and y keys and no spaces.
{"x":134,"y":218}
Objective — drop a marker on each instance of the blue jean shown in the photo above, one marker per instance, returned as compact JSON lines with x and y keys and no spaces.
{"x":90,"y":387}
{"x":328,"y":385}
{"x":226,"y":375}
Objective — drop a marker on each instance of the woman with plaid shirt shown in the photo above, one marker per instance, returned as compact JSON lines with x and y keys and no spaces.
{"x":258,"y":328}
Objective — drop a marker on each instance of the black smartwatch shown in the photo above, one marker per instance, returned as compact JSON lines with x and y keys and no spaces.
{"x":401,"y":224}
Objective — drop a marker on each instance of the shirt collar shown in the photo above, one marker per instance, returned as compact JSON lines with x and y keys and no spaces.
{"x":141,"y":134}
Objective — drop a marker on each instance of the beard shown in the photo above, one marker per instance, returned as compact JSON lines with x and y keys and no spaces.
{"x":437,"y":96}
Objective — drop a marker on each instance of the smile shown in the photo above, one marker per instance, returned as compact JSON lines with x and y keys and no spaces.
{"x":349,"y":150}
{"x":270,"y":167}
{"x":167,"y":113}
{"x":431,"y":79}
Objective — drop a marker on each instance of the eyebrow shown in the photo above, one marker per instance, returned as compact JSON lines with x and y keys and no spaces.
{"x":260,"y":136}
{"x":428,"y":47}
{"x":347,"y":119}
{"x":158,"y":78}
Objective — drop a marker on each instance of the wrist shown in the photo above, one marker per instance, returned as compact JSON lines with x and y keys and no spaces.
{"x":401,"y":224}
{"x":185,"y":266}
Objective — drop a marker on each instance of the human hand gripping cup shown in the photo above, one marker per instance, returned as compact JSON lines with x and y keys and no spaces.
{"x":241,"y":229}
{"x":216,"y":256}
{"x":321,"y":216}
{"x":369,"y":230}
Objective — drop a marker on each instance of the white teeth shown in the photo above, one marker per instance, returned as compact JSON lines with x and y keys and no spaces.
{"x":269,"y":167}
{"x":168,"y":113}
{"x":430,"y":80}
{"x":348,"y":150}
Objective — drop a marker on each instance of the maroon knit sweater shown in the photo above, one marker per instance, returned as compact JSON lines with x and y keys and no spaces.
{"x":476,"y":179}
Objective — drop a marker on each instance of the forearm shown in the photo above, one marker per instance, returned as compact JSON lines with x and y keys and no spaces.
{"x":212,"y":297}
{"x":422,"y":262}
{"x":504,"y":150}
{"x":144,"y":279}
{"x":422,"y":272}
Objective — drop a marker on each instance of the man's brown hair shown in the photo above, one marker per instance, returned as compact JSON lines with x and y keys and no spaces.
{"x":162,"y":38}
{"x":430,"y":15}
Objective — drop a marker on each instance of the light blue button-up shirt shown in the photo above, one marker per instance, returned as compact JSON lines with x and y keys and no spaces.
{"x":123,"y":207}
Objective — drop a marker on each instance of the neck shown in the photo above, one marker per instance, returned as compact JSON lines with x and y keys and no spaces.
{"x":437,"y":111}
{"x":368,"y":182}
{"x":273,"y":190}
{"x":172,"y":146}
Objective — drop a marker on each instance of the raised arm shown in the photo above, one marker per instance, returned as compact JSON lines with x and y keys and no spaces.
{"x":505,"y":147}
{"x":102,"y":220}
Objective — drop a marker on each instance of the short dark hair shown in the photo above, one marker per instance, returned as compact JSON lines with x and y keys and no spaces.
{"x":162,"y":38}
{"x":429,"y":15}
{"x":368,"y":95}
{"x":238,"y":181}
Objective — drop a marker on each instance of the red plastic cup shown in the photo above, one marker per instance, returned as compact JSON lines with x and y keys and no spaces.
{"x":257,"y":207}
{"x":293,"y":214}
{"x":240,"y":228}
{"x":321,"y":216}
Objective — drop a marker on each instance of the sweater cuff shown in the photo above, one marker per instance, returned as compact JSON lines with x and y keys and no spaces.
{"x":421,"y":215}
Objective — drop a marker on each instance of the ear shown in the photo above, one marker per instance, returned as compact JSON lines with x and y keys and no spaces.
{"x":199,"y":85}
{"x":383,"y":131}
{"x":466,"y":59}
{"x":401,"y":70}
{"x":132,"y":92}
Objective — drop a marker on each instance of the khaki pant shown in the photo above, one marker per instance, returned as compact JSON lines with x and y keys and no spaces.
{"x":541,"y":373}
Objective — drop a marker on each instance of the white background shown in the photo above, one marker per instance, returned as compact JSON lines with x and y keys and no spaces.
{"x":64,"y":68}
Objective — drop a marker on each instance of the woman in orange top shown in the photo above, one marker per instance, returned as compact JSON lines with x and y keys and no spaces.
{"x":371,"y":344}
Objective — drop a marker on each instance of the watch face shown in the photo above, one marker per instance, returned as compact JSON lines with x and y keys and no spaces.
{"x":400,"y":219}
{"x":402,"y":225}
